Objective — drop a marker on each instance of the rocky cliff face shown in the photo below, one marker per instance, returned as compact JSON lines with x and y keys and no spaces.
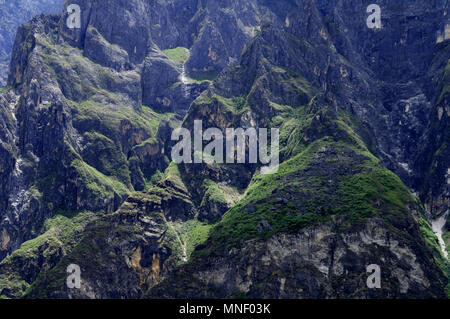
{"x":363,"y":118}
{"x":12,"y":14}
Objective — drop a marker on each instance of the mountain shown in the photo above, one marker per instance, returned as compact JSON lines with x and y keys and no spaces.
{"x":363,"y":115}
{"x":12,"y":14}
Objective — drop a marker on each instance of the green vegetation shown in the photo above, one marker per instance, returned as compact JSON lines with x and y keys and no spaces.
{"x":153,"y":117}
{"x":174,"y":176}
{"x":4,"y":89}
{"x":445,"y":83}
{"x":179,"y":55}
{"x":239,"y":102}
{"x":430,"y":237}
{"x":109,"y":121}
{"x":328,"y":174}
{"x":376,"y":191}
{"x":104,"y":129}
{"x":262,"y":186}
{"x":212,"y":193}
{"x":446,"y":238}
{"x":434,"y":246}
{"x":59,"y":235}
{"x":92,"y":252}
{"x":195,"y":233}
{"x":184,"y":237}
{"x":310,"y":188}
{"x":239,"y":224}
{"x":157,"y":177}
{"x":292,"y":124}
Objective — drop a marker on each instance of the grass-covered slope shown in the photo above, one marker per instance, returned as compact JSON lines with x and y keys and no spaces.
{"x":310,"y":229}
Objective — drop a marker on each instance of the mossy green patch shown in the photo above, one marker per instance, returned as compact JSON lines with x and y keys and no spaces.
{"x":157,"y":177}
{"x":232,"y":106}
{"x":179,"y":55}
{"x":292,"y":124}
{"x":184,"y":237}
{"x":109,"y":122}
{"x":430,"y":237}
{"x":173,"y":175}
{"x":446,"y":238}
{"x":325,"y":178}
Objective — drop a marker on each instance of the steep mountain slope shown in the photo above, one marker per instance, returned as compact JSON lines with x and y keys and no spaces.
{"x":86,"y":127}
{"x":12,"y":14}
